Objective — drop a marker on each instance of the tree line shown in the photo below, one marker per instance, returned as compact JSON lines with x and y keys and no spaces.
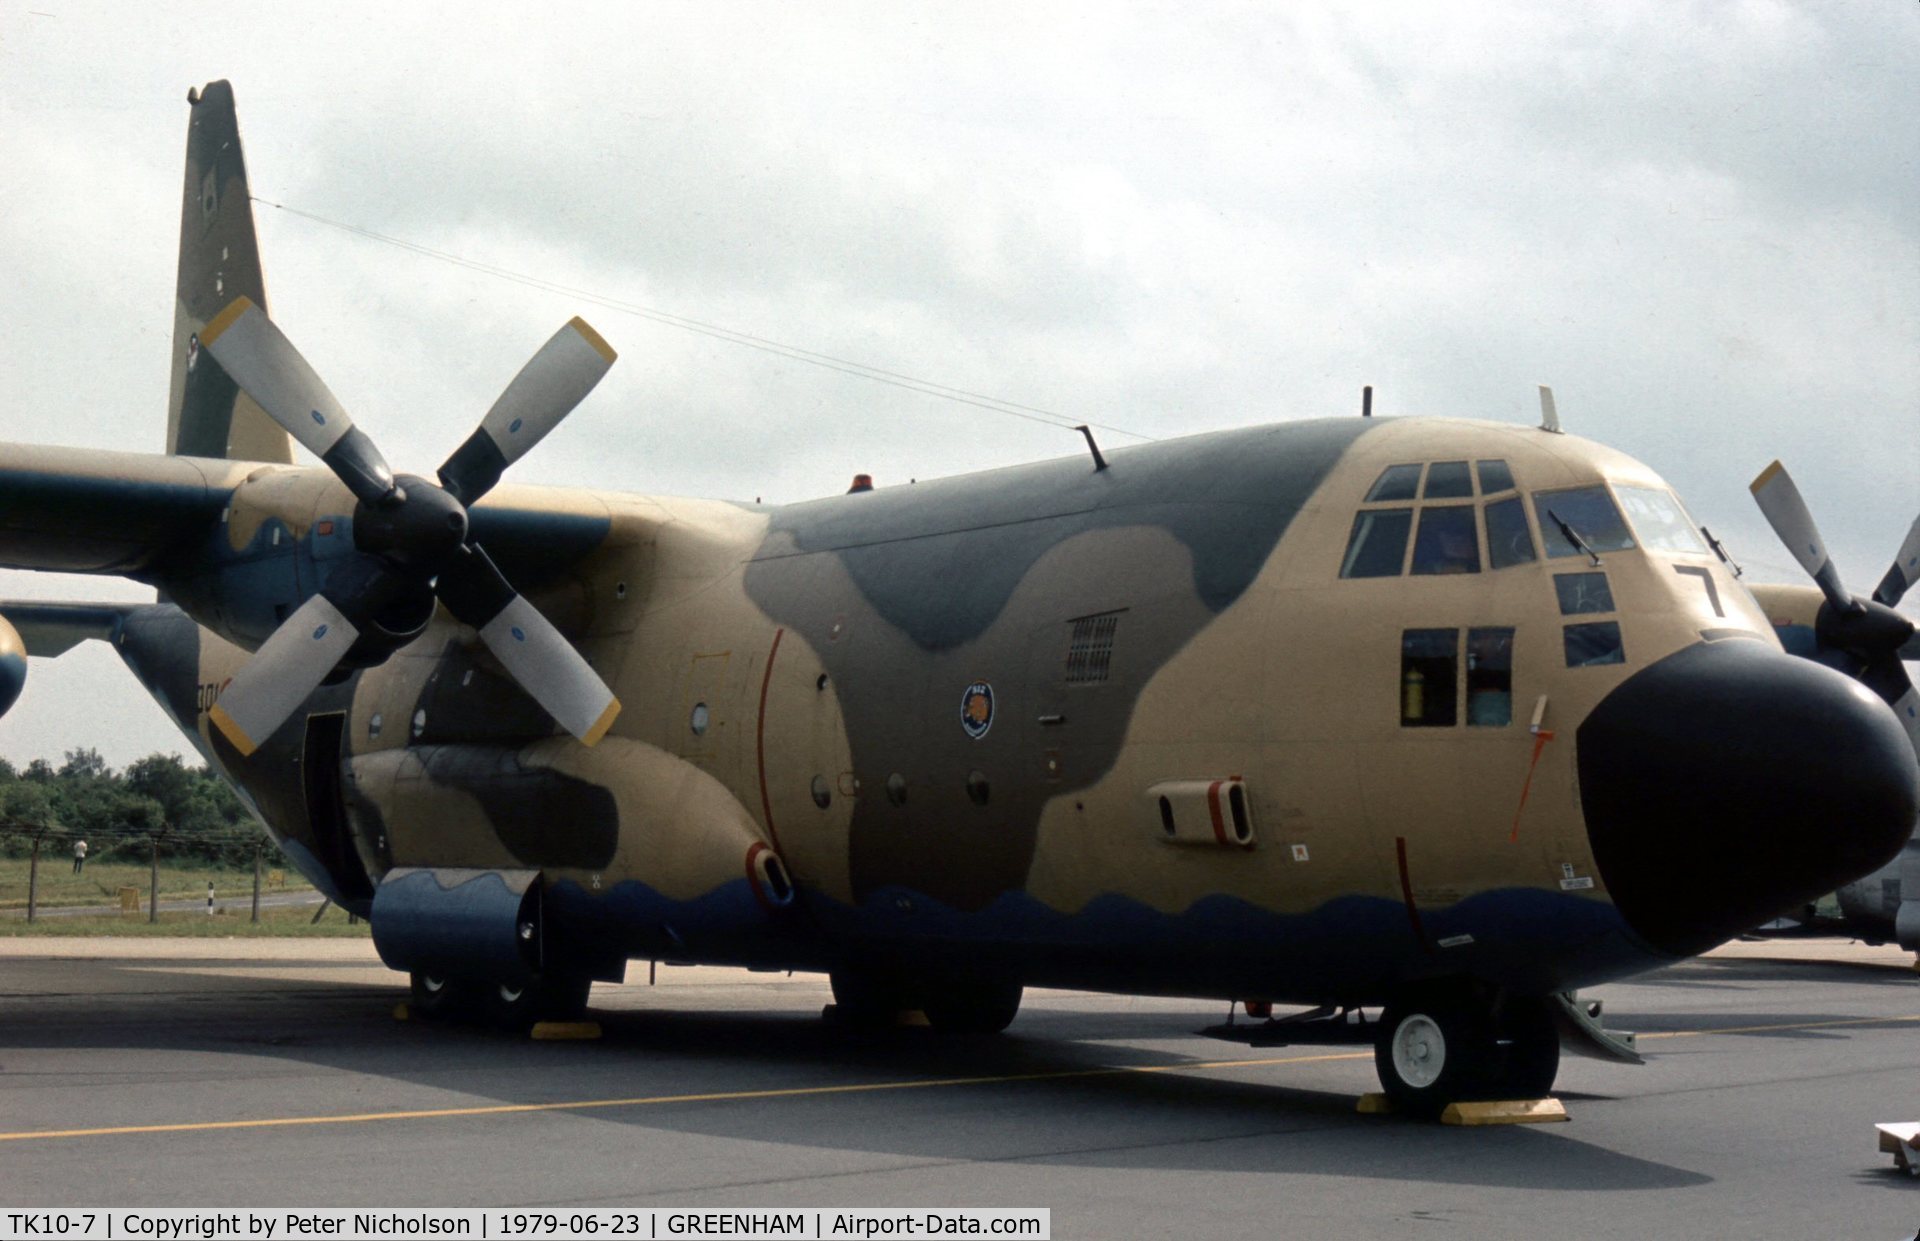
{"x":195,"y":813}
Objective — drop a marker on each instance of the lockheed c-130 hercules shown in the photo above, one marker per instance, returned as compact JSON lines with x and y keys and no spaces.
{"x":1452,"y":718}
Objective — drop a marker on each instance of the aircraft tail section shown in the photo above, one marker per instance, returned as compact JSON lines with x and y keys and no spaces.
{"x":207,"y":414}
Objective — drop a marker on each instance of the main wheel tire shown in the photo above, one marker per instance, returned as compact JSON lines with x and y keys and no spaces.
{"x":1446,"y":1046}
{"x":866,"y":1001}
{"x":546,"y":997}
{"x":439,"y":997}
{"x":974,"y":1007}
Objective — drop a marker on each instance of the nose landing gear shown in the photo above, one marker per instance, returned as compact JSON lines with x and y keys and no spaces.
{"x":1455,"y":1044}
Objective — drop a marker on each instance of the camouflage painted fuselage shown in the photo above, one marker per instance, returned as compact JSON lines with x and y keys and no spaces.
{"x":807,"y":680}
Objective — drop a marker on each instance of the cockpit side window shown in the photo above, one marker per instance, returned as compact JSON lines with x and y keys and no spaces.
{"x":1448,"y":480}
{"x":1658,"y":519}
{"x":1447,"y":542}
{"x":1489,"y":677}
{"x":1429,"y":677}
{"x":1378,"y":545}
{"x":1495,"y":477}
{"x":1589,"y":512}
{"x":1397,"y":482}
{"x":1509,"y":542}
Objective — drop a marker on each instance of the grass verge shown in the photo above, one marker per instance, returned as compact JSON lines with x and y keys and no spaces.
{"x":101,"y":881}
{"x":275,"y":923}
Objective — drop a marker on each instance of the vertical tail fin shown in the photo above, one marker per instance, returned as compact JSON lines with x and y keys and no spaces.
{"x":207,"y":414}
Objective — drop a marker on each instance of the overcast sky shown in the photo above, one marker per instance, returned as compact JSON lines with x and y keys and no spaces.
{"x":1698,"y":222}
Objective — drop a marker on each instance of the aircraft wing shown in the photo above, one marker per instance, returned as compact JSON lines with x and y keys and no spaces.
{"x":79,"y":510}
{"x":50,"y":629}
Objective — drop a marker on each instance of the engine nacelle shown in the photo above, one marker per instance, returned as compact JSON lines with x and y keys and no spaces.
{"x":13,"y":665}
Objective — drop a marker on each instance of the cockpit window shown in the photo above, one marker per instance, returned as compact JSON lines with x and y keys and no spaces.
{"x":1594,"y":644}
{"x":1580,"y":593}
{"x":1378,"y":545}
{"x":1447,"y":542}
{"x":1495,"y":477}
{"x":1509,"y":542}
{"x":1447,"y":480}
{"x":1658,"y":518}
{"x":1590,"y":513}
{"x":1399,"y":482}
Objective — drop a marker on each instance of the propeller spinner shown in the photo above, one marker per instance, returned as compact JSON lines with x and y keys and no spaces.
{"x":1869,"y":630}
{"x":411,"y":535}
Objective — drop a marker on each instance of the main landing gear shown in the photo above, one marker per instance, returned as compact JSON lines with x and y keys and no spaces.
{"x":868,"y":1000}
{"x":1455,"y":1043}
{"x":506,"y":1006}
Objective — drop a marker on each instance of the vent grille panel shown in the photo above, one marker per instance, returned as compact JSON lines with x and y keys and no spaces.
{"x":1090,"y":648}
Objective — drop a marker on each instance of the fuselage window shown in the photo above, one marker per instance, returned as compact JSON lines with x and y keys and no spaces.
{"x":1398,"y":482}
{"x":1495,"y":477}
{"x":1593,"y":644}
{"x":1589,"y":513}
{"x":1448,"y":480}
{"x":1509,"y":542}
{"x":1378,"y":545}
{"x":1659,"y":521}
{"x":1429,"y":677}
{"x":1490,"y":677}
{"x":1581,"y":593}
{"x":1447,"y":542}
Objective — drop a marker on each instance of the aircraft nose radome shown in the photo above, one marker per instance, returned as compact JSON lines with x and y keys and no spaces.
{"x":1728,"y":783}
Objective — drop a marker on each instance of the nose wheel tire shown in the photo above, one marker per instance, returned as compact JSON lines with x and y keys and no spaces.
{"x":1452,"y":1046}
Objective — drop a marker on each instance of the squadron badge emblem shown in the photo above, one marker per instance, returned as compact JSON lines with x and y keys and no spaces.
{"x":976,"y":709}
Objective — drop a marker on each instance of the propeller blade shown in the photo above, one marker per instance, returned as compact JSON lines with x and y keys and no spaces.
{"x":1886,"y":676}
{"x":535,"y":654}
{"x":1908,"y":709}
{"x":260,"y":358}
{"x":1787,"y":513}
{"x":546,"y":390}
{"x":289,"y":665}
{"x":1905,"y":571}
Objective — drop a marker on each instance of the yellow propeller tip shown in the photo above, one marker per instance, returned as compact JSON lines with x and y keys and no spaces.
{"x":600,"y":726}
{"x":231,"y":730}
{"x":599,"y":342}
{"x":225,"y":319}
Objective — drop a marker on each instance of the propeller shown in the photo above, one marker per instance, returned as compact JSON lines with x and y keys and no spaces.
{"x":1869,"y":630}
{"x":411,"y":535}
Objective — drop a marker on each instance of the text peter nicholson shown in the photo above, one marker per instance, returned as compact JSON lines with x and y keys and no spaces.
{"x":525,"y":1224}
